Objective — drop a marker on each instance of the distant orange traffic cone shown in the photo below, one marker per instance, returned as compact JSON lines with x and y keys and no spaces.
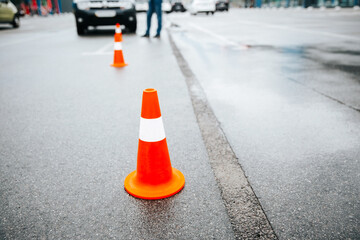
{"x":154,"y":177}
{"x":118,"y":54}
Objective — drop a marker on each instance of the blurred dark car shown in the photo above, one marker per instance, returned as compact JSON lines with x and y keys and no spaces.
{"x":9,"y":13}
{"x":103,"y":12}
{"x":177,"y":6}
{"x":222,"y":5}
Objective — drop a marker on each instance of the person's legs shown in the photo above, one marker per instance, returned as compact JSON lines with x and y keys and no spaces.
{"x":158,"y":14}
{"x":149,"y":14}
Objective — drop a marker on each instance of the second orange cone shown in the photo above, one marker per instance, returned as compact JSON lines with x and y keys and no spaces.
{"x":154,"y":177}
{"x":118,"y":54}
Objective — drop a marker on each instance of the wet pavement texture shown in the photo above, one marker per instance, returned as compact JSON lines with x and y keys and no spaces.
{"x":247,"y":217}
{"x":69,"y":128}
{"x":285,"y":88}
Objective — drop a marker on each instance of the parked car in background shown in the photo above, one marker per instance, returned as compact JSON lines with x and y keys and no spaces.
{"x":103,"y":12}
{"x":166,"y":6}
{"x":202,"y":6}
{"x":177,"y":6}
{"x":141,"y":5}
{"x":9,"y":13}
{"x":222,"y":5}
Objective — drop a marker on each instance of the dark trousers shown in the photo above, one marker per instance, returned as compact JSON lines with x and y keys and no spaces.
{"x":154,"y":6}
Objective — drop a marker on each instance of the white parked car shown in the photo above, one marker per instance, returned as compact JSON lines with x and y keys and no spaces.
{"x":166,"y":6}
{"x":202,"y":6}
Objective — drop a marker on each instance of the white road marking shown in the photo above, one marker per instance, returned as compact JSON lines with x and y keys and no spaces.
{"x":21,"y":40}
{"x":100,"y":51}
{"x":97,"y":53}
{"x":39,"y":36}
{"x":296,"y":29}
{"x":221,"y":38}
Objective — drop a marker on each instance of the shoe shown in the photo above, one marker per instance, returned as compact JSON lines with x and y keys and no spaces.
{"x":145,"y":35}
{"x":157,"y":36}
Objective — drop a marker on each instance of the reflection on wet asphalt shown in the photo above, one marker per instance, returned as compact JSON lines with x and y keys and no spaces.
{"x":69,"y":127}
{"x":290,"y":107}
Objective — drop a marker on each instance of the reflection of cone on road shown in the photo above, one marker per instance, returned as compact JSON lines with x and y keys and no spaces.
{"x":154,"y":177}
{"x":118,"y":54}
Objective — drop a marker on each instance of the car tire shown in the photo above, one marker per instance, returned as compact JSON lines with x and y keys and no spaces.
{"x":132,"y":28}
{"x":212,"y":13}
{"x":16,"y":22}
{"x":80,"y":29}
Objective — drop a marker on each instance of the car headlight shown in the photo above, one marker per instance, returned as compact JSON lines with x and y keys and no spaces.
{"x":83,"y":5}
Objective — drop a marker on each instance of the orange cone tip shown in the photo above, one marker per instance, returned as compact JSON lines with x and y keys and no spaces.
{"x":154,"y":177}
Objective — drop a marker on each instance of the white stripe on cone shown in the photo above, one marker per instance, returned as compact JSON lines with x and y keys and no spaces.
{"x":118,"y":30}
{"x":151,"y":130}
{"x":117,"y":46}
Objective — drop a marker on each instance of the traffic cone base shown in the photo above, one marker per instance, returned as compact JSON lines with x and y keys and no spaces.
{"x":154,"y":177}
{"x":151,"y":191}
{"x":119,"y":64}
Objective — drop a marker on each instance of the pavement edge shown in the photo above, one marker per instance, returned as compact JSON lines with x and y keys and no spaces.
{"x":248,"y":219}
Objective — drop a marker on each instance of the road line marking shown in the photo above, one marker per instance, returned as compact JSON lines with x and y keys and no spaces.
{"x":20,"y":41}
{"x":42,"y":36}
{"x":294,"y":28}
{"x":97,"y":53}
{"x":222,"y":39}
{"x":105,"y":47}
{"x":100,"y":51}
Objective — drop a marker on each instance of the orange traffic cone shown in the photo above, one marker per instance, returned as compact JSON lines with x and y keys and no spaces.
{"x":154,"y":177}
{"x":118,"y":54}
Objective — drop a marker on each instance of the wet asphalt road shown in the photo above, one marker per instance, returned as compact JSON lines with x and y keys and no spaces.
{"x":285,"y":86}
{"x":69,"y":132}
